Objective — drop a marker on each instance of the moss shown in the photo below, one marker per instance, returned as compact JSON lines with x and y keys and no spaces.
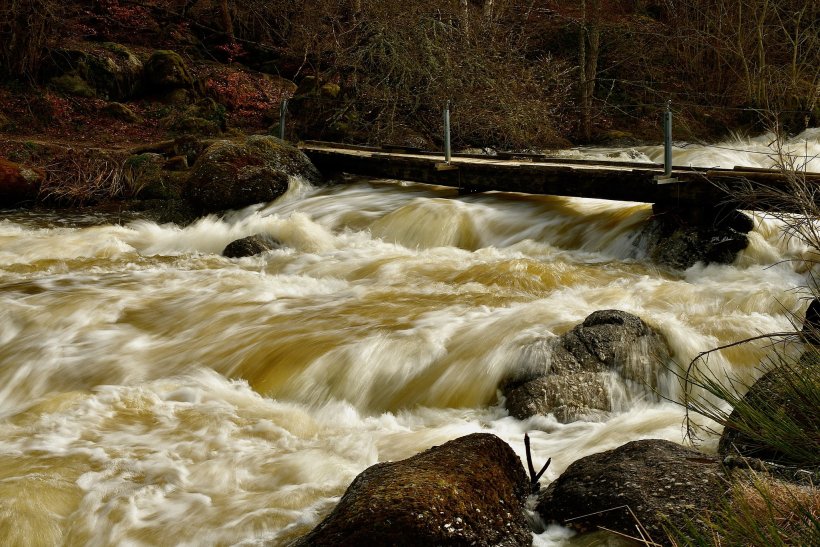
{"x":73,"y":84}
{"x":121,"y":112}
{"x":330,"y":90}
{"x":147,"y":178}
{"x":166,"y":70}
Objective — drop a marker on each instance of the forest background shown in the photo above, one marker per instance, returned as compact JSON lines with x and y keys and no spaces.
{"x":521,"y":74}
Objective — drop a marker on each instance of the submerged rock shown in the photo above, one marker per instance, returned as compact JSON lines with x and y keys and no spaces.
{"x":571,"y":376}
{"x":235,"y":174}
{"x":680,"y":239}
{"x":251,"y":245}
{"x":469,"y":491}
{"x":649,"y":484}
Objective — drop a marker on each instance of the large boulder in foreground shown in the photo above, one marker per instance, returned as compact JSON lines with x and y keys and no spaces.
{"x":234,"y":174}
{"x":571,"y":376}
{"x":777,"y":420}
{"x":18,"y":184}
{"x":469,"y":491}
{"x":650,"y":483}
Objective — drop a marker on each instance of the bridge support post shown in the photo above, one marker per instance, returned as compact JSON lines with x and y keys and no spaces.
{"x":667,"y":140}
{"x":283,"y":111}
{"x":667,"y":177}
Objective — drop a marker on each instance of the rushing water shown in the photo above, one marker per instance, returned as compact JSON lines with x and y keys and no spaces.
{"x":153,"y":392}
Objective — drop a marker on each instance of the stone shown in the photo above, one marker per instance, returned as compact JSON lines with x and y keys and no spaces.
{"x":250,"y":246}
{"x":106,"y":70}
{"x":121,"y":112}
{"x":469,"y":491}
{"x":650,"y":483}
{"x":811,"y":325}
{"x":786,"y":395}
{"x":72,"y":84}
{"x":680,"y":239}
{"x":570,"y":376}
{"x":165,"y":71}
{"x":19,"y":184}
{"x":204,"y":118}
{"x":235,"y":174}
{"x":308,"y":85}
{"x":147,"y":177}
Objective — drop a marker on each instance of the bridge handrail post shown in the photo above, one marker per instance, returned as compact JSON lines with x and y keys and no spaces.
{"x":447,"y":152}
{"x":667,"y":140}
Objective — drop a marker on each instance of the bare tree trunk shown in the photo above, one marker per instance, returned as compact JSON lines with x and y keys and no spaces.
{"x":465,"y":16}
{"x":227,"y":20}
{"x":588,"y":49}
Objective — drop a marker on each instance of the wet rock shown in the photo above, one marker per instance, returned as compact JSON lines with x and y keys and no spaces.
{"x":235,"y":174}
{"x":811,"y":325}
{"x":649,"y":483}
{"x":166,"y":71}
{"x":250,"y":246}
{"x":680,"y":239}
{"x":469,"y":491}
{"x":777,"y":421}
{"x":571,"y":376}
{"x":19,"y":184}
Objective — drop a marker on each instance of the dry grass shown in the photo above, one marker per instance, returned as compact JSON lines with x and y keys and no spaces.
{"x":79,"y":177}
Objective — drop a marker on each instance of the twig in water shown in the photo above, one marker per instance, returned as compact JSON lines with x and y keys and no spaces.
{"x":535,"y":486}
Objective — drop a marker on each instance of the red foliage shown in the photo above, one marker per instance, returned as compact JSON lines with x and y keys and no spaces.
{"x":246,"y":95}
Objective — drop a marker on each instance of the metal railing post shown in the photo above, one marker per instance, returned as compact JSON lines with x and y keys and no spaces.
{"x":667,"y":140}
{"x":447,"y":154}
{"x":283,"y":110}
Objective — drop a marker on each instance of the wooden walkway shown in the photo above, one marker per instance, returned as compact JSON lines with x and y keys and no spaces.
{"x":537,"y":174}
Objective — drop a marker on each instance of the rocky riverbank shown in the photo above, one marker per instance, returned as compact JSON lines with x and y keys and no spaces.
{"x":473,"y":490}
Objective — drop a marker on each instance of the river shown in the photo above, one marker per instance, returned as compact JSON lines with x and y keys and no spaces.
{"x":153,"y":392}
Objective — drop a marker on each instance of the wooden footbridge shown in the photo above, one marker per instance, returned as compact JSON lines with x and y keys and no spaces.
{"x":684,"y":187}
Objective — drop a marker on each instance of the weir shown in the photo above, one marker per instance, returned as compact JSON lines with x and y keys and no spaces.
{"x":684,"y":187}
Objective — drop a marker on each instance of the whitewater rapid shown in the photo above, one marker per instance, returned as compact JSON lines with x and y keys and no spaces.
{"x":153,"y":392}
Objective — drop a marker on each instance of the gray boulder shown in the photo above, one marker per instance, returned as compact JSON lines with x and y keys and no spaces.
{"x":650,"y":483}
{"x":235,"y":174}
{"x":571,"y":376}
{"x":469,"y":491}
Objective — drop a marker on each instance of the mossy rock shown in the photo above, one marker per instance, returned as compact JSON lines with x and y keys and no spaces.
{"x":166,"y":70}
{"x":178,"y":97}
{"x":18,"y":184}
{"x":121,"y":112}
{"x":235,"y":174}
{"x":110,"y":70}
{"x":116,"y":72}
{"x":148,"y":179}
{"x":205,"y":118}
{"x":73,"y":84}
